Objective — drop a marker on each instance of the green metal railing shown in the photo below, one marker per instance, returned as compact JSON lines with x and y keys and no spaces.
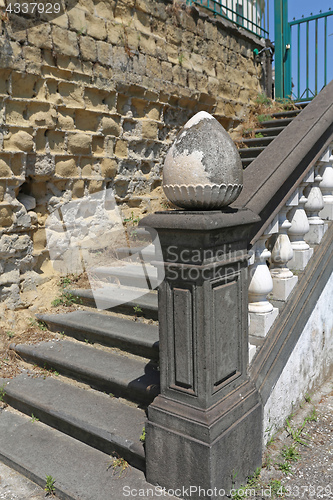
{"x":299,"y":92}
{"x":301,"y":49}
{"x":250,"y":15}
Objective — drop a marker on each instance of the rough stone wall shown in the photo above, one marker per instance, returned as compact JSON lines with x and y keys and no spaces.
{"x":92,"y":99}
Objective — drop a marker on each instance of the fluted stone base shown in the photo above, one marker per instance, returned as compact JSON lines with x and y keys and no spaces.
{"x":282,"y":287}
{"x":260,"y":323}
{"x":300,"y":259}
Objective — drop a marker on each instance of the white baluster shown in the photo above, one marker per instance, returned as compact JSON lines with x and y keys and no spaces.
{"x":261,"y":312}
{"x":299,"y":227}
{"x":326,"y":185}
{"x":312,"y":207}
{"x":282,"y":252}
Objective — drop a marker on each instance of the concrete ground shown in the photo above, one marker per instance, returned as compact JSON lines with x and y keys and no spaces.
{"x":14,"y":486}
{"x":308,"y":477}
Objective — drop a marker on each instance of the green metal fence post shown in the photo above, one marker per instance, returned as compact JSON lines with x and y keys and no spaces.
{"x":282,"y":54}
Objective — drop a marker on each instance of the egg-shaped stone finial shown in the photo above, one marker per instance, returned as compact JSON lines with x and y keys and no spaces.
{"x":202,"y":169}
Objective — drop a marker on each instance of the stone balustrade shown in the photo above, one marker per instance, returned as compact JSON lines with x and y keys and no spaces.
{"x":286,"y":246}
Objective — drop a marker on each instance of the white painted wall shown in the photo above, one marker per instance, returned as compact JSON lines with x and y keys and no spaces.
{"x":307,"y":367}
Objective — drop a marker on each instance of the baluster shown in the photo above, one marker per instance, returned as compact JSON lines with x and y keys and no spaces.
{"x":299,"y":227}
{"x":313,"y":206}
{"x":261,"y":312}
{"x":282,"y":252}
{"x":326,"y":185}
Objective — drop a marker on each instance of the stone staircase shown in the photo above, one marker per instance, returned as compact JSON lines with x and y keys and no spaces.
{"x":251,"y":148}
{"x":107,"y":363}
{"x":101,"y":376}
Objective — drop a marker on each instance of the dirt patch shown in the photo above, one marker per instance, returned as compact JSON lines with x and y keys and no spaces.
{"x":22,"y":327}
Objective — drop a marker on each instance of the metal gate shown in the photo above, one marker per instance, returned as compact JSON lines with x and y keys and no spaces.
{"x":302,"y":68}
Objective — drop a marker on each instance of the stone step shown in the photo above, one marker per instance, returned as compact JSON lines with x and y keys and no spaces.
{"x":269,"y":131}
{"x":103,"y":422}
{"x":132,"y":336}
{"x":279,"y":122}
{"x":125,"y":376}
{"x":137,"y":254}
{"x":80,"y":471}
{"x":250,"y":152}
{"x":246,"y":161}
{"x":131,"y":274}
{"x":108,"y":298}
{"x":291,"y":113}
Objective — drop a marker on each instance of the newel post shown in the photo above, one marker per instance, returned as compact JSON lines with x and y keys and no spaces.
{"x":204,"y":429}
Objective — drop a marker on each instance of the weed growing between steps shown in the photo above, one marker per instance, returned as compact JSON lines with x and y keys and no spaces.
{"x":119,"y":466}
{"x":49,"y":486}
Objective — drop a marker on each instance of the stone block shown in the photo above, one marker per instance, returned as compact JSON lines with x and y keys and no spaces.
{"x":6,"y":216}
{"x":104,"y":53}
{"x":153,"y":67}
{"x":64,"y":41}
{"x":86,"y":120}
{"x":61,"y":21}
{"x":23,"y":85}
{"x":78,"y":189}
{"x":72,"y":94}
{"x":104,"y":10}
{"x":56,"y":141}
{"x":300,"y":259}
{"x":5,"y":170}
{"x":315,"y":234}
{"x":88,"y":48}
{"x":282,"y":287}
{"x":99,"y":100}
{"x":4,"y":81}
{"x":16,"y":113}
{"x":149,"y":129}
{"x":96,"y":27}
{"x":40,"y":166}
{"x":66,"y":167}
{"x":41,"y":115}
{"x":260,"y":323}
{"x":121,"y":149}
{"x":77,"y":19}
{"x":79,"y":143}
{"x":21,"y":141}
{"x":33,"y":59}
{"x":97,"y":147}
{"x":109,"y":168}
{"x":179,"y":76}
{"x":40,"y":140}
{"x":110,"y":125}
{"x":114,"y":32}
{"x":40,"y":36}
{"x":66,"y":119}
{"x":95,"y":186}
{"x":18,"y":164}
